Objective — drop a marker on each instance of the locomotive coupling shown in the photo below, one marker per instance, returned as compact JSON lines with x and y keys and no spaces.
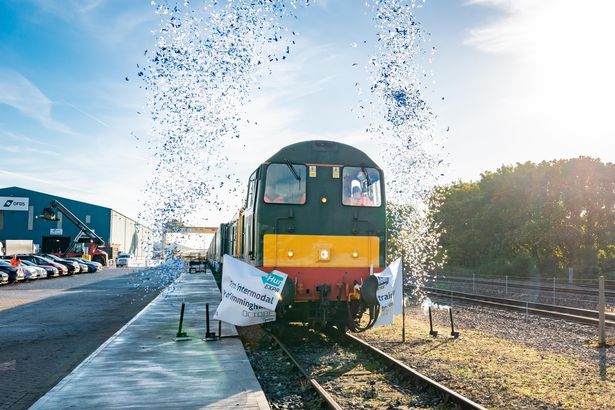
{"x":368,"y":291}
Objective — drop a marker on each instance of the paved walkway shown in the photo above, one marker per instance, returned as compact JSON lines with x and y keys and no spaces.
{"x":142,"y":367}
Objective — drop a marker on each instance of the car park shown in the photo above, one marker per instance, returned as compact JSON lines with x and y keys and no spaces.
{"x":124,"y":260}
{"x":72,"y":266}
{"x":43,"y":261}
{"x":50,"y":271}
{"x":30,"y":273}
{"x":15,"y":272}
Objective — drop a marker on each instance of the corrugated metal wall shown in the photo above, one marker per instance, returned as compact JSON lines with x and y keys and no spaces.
{"x":110,"y":225}
{"x":130,"y":235}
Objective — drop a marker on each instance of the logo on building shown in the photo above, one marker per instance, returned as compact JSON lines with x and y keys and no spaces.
{"x":14,"y":203}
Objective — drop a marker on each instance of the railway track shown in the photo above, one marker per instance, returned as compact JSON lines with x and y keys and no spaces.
{"x":348,"y":372}
{"x":540,"y":287}
{"x":562,"y":312}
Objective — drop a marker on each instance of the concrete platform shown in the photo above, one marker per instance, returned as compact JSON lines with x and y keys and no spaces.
{"x":142,"y":367}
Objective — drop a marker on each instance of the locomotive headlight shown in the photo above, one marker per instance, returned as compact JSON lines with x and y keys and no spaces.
{"x":355,"y":254}
{"x":324,"y":255}
{"x":323,"y":199}
{"x":291,"y":254}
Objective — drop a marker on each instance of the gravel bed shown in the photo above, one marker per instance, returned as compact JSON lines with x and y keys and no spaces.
{"x":506,"y":360}
{"x":283,"y":385}
{"x":544,"y":333}
{"x":356,"y":379}
{"x":523,"y":349}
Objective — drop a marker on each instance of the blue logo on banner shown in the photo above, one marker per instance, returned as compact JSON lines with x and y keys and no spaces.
{"x":272,"y":279}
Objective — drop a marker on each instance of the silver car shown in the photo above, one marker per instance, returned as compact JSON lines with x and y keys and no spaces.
{"x":41,"y":272}
{"x":30,"y":273}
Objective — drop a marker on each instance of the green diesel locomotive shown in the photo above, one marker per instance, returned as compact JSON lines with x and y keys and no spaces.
{"x":316,"y":211}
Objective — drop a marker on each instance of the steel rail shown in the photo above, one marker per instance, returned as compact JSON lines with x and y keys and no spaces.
{"x":561,"y":312}
{"x":538,"y":287}
{"x":321,"y":391}
{"x":448,"y":394}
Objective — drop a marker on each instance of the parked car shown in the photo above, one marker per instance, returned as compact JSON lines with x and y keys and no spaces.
{"x":73,"y":267}
{"x":4,"y":278}
{"x":50,"y":271}
{"x":15,"y":272}
{"x":29,"y":272}
{"x":124,"y":260}
{"x":98,"y":265}
{"x":42,"y":261}
{"x":40,"y":272}
{"x":86,"y":265}
{"x":83,"y":268}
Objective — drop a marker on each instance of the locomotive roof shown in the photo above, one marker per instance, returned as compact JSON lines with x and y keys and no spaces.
{"x":323,"y":152}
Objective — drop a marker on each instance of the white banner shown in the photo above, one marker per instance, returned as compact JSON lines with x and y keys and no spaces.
{"x":249,"y":295}
{"x":390,"y":293}
{"x":11,"y":203}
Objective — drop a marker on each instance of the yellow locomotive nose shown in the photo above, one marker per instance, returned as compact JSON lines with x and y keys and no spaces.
{"x":307,"y":251}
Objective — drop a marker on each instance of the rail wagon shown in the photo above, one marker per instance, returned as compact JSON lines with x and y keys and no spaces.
{"x":316,"y":211}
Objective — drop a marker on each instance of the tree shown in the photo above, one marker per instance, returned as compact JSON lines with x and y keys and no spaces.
{"x":533,"y":217}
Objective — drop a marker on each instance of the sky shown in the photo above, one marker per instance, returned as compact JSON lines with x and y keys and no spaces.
{"x":512,"y":81}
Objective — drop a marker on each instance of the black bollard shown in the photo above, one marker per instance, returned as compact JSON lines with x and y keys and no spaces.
{"x":432,"y":332}
{"x":181,"y":334}
{"x":453,"y":333}
{"x":208,"y":335}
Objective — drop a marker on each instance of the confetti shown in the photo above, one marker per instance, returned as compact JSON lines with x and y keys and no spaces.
{"x":405,"y":122}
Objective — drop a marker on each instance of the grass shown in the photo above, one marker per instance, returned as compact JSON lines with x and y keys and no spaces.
{"x":500,"y":373}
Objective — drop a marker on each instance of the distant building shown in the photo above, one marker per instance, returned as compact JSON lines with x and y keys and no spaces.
{"x":20,"y":208}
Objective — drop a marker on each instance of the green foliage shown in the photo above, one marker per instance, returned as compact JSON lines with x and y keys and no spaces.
{"x":533,"y":218}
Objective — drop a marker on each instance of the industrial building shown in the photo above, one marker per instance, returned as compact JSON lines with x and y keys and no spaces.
{"x":20,"y":208}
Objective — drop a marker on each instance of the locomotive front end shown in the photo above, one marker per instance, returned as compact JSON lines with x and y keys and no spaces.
{"x":321,"y":220}
{"x":316,"y":211}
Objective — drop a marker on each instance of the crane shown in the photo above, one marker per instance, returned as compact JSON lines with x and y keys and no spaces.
{"x":50,"y":214}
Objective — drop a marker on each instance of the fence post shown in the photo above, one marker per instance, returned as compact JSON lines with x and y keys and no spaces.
{"x":553,"y":290}
{"x":601,"y":303}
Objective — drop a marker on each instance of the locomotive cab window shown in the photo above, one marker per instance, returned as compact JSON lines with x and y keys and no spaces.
{"x":361,"y":187}
{"x":285,"y":184}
